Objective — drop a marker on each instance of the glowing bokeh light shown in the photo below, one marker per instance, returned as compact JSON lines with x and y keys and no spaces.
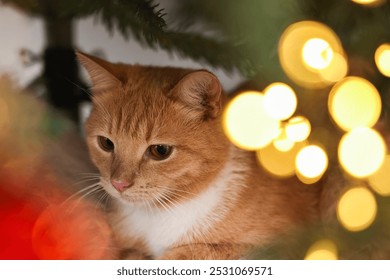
{"x":298,"y":129}
{"x":382,"y":59}
{"x":282,"y":143}
{"x":337,"y":69}
{"x":371,"y":3}
{"x":380,"y":180}
{"x":322,"y":250}
{"x":354,"y":102}
{"x":246,"y":122}
{"x":306,"y":50}
{"x":311,"y":162}
{"x":280,"y":101}
{"x":361,"y":152}
{"x":278,"y":163}
{"x":317,"y":53}
{"x":356,"y":209}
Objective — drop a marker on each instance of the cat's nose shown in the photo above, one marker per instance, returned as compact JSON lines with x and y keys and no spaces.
{"x":121,"y":185}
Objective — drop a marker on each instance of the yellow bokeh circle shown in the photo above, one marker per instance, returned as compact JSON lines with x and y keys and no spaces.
{"x":380,"y":180}
{"x":322,"y":250}
{"x":246,"y":122}
{"x":306,"y":50}
{"x":280,"y":101}
{"x":382,"y":59}
{"x":354,"y":102}
{"x":356,"y":209}
{"x":361,"y":152}
{"x":279,"y":163}
{"x":311,"y":162}
{"x":298,"y":129}
{"x":282,"y":143}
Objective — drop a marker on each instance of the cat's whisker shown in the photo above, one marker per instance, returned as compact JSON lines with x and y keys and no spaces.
{"x":91,"y":190}
{"x":165,"y":205}
{"x":174,"y":192}
{"x":170,"y":195}
{"x":149,"y":208}
{"x":81,"y":191}
{"x":172,"y":204}
{"x":90,"y":174}
{"x":103,"y":199}
{"x":183,"y":191}
{"x":97,"y":189}
{"x":86,"y":180}
{"x":78,"y":86}
{"x":161,"y":203}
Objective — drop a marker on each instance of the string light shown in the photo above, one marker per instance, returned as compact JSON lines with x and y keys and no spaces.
{"x":361,"y":152}
{"x":309,"y":53}
{"x":354,"y":102}
{"x":298,"y":129}
{"x":282,"y":143}
{"x":380,"y":180}
{"x":337,"y":69}
{"x":280,"y":101}
{"x":311,"y":163}
{"x":246,"y":122}
{"x":356,"y":209}
{"x":322,"y":250}
{"x":382,"y":59}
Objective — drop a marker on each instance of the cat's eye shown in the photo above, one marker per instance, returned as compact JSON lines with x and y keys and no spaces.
{"x":105,"y":144}
{"x":159,"y":152}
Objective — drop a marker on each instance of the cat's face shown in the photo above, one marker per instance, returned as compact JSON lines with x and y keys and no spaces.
{"x":154,"y":133}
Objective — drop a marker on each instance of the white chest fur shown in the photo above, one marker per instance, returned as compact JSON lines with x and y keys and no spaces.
{"x":161,"y":228}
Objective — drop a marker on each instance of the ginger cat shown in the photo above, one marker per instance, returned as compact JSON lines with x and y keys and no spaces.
{"x":181,"y":190}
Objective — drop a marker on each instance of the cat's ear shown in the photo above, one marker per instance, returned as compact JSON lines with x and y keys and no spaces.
{"x":102,"y":73}
{"x":200,"y":90}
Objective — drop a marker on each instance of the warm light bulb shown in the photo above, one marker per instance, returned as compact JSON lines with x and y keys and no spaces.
{"x":356,"y":209}
{"x":336,"y":70}
{"x":382,"y":59}
{"x":282,"y":143}
{"x":311,"y":162}
{"x":280,"y":101}
{"x":354,"y":102}
{"x":317,"y":53}
{"x":247,"y":124}
{"x":322,"y":250}
{"x":298,"y":129}
{"x":361,"y":152}
{"x":380,"y":180}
